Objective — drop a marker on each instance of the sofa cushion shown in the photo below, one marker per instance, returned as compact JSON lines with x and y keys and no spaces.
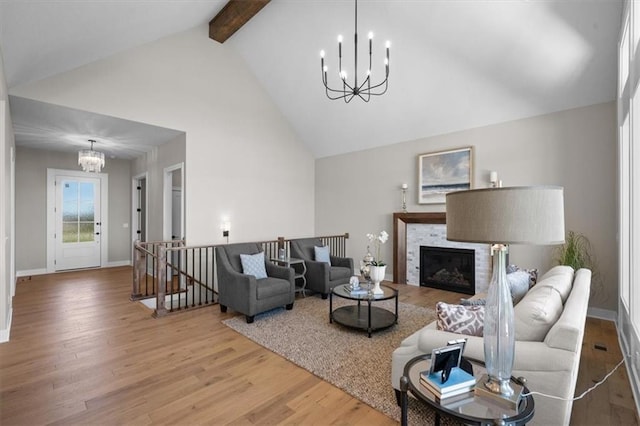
{"x":536,"y":313}
{"x":460,"y":319}
{"x":253,"y":264}
{"x":321,"y":254}
{"x":560,"y":284}
{"x":560,"y":279}
{"x":558,"y":270}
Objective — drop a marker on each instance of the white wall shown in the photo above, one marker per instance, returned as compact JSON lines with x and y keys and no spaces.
{"x":31,"y":202}
{"x":358,"y":192}
{"x":243,"y":161}
{"x":154,"y":163}
{"x":7,"y":270}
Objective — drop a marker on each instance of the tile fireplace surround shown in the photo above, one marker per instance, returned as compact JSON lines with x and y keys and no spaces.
{"x":411,"y":230}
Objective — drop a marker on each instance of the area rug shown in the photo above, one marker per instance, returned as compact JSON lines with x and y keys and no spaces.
{"x":344,"y":357}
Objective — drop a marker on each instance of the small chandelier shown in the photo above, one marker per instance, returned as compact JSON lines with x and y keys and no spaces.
{"x":365,"y":90}
{"x":90,"y":160}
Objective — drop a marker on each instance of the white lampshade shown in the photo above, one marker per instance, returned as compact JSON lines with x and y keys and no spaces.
{"x":512,"y":215}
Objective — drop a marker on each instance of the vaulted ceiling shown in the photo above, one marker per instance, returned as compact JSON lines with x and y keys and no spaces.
{"x":455,"y":64}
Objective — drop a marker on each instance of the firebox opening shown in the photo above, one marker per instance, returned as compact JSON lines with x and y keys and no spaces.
{"x":445,"y":268}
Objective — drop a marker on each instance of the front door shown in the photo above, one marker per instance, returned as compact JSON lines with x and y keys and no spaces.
{"x":77,"y":222}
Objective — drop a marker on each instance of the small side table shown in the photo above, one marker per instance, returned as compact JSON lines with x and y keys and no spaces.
{"x":298,"y":274}
{"x":468,"y":408}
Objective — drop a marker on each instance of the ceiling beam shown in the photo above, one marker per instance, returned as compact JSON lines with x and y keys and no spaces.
{"x":232,"y":17}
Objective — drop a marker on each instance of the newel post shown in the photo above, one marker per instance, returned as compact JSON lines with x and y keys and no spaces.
{"x":161,"y":281}
{"x":139,"y":266}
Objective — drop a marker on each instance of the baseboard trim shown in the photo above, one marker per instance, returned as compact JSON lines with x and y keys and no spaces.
{"x":118,"y":263}
{"x":4,"y":334}
{"x":43,"y":271}
{"x":603,"y":314}
{"x":29,"y":272}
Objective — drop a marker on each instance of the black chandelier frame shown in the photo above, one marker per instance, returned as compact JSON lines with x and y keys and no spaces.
{"x":365,"y":90}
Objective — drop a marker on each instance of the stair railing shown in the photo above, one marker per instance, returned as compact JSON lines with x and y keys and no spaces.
{"x":180,"y":277}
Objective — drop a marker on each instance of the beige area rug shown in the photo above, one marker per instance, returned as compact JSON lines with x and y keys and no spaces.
{"x":344,"y":357}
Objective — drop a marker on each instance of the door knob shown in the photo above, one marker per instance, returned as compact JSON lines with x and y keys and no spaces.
{"x":97,"y":233}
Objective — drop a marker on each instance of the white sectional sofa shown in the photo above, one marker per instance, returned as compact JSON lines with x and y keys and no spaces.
{"x":549,"y":323}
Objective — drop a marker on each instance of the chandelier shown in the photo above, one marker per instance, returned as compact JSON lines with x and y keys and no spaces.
{"x":90,"y":160}
{"x":348,"y":91}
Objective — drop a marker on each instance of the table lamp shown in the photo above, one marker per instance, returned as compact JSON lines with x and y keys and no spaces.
{"x":502,"y":216}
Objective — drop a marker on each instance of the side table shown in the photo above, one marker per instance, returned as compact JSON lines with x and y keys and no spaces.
{"x":467,"y":408}
{"x":299,"y":274}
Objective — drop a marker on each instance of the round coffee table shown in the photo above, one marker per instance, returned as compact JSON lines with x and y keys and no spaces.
{"x":363,"y":316}
{"x":467,"y":408}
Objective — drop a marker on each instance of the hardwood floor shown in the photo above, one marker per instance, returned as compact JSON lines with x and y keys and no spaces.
{"x":82,"y":353}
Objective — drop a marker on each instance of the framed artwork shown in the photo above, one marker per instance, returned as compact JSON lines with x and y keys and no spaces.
{"x":442,"y":172}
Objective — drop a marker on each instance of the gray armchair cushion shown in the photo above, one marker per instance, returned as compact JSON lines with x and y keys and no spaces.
{"x":270,"y":287}
{"x":338,"y":272}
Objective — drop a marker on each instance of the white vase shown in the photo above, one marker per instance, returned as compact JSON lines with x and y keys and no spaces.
{"x":377,"y":274}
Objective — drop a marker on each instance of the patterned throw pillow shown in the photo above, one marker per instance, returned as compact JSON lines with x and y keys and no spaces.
{"x":322,"y":254}
{"x":253,"y":264}
{"x":533,"y":273}
{"x":460,"y":319}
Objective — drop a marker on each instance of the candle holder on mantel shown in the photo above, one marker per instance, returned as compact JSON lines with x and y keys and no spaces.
{"x":404,"y":197}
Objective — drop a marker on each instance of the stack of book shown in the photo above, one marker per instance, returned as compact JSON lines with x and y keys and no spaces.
{"x":359,"y":291}
{"x":459,"y":382}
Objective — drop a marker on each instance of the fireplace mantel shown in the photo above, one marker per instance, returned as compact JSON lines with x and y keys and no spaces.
{"x":400,"y":221}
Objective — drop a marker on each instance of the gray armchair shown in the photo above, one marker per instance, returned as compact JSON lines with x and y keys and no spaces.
{"x":246,"y":294}
{"x":321,"y":277}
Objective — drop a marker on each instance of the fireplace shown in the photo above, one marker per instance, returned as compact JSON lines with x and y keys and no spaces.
{"x":445,"y":268}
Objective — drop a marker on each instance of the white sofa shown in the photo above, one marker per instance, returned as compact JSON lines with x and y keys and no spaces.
{"x":549,"y":323}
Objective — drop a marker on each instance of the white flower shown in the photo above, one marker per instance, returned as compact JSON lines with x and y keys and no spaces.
{"x":378,"y":240}
{"x":383,"y":237}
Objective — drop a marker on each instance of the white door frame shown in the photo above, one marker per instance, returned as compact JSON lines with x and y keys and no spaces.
{"x":134,"y":204}
{"x":167,"y":191}
{"x":12,"y":247}
{"x":51,"y":214}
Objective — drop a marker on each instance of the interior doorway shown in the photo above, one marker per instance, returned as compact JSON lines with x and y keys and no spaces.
{"x":174,"y":202}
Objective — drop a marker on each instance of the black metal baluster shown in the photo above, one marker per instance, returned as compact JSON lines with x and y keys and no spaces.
{"x":199,"y":279}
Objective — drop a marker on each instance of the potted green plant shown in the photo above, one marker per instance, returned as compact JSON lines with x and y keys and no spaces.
{"x":575,"y":252}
